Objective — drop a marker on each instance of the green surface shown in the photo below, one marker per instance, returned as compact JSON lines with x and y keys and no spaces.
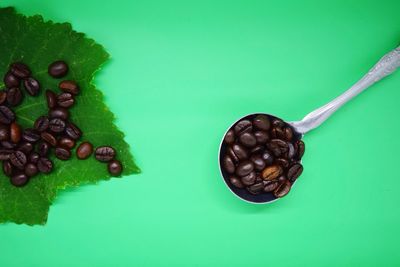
{"x":181,"y":72}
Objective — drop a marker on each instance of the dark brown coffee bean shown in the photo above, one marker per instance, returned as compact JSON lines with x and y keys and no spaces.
{"x":20,"y":70}
{"x":84,"y":150}
{"x":261,"y":137}
{"x":43,"y":148}
{"x":270,"y":186}
{"x":284,"y":163}
{"x":65,"y":100}
{"x":257,"y":150}
{"x":249,"y":179}
{"x":31,"y":170}
{"x":281,"y":179}
{"x":41,"y":123}
{"x":58,"y":69}
{"x":7,"y":168}
{"x":32,"y":86}
{"x":236,"y":182}
{"x":240,"y":152}
{"x":278,"y":147}
{"x":5,"y":153}
{"x":300,"y":149}
{"x":10,"y":80}
{"x":51,"y":99}
{"x":60,"y":113}
{"x":282,"y":189}
{"x":31,"y":135}
{"x":4,"y":132}
{"x":18,"y":159}
{"x":232,"y":154}
{"x":114,"y":167}
{"x":288,"y":133}
{"x":8,"y":145}
{"x":15,"y":132}
{"x":294,"y":172}
{"x":262,"y":122}
{"x":56,"y":125}
{"x":228,"y":164}
{"x":19,"y":180}
{"x":277,"y":133}
{"x":244,"y":168}
{"x":104,"y":153}
{"x":69,"y":87}
{"x":34,"y":157}
{"x":243,"y":126}
{"x":3,"y":97}
{"x":277,"y":123}
{"x":256,"y":188}
{"x":291,"y":151}
{"x":62,"y":153}
{"x":49,"y":138}
{"x":7,"y":116}
{"x":229,"y":137}
{"x":45,"y":165}
{"x":267,"y":157}
{"x":14,"y":96}
{"x":73,"y":131}
{"x":25,"y":147}
{"x":248,"y":139}
{"x":66,"y":142}
{"x":272,"y":172}
{"x":259,"y":163}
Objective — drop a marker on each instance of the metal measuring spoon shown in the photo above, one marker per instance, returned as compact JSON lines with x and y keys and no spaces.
{"x":385,"y":66}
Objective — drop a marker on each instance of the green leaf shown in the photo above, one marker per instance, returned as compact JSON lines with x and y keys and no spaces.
{"x":38,"y":43}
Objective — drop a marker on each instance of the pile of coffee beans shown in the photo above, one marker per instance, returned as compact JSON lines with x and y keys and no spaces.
{"x":261,"y":154}
{"x":25,"y":152}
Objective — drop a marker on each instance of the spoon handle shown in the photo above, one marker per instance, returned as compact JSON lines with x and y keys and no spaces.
{"x":385,"y":66}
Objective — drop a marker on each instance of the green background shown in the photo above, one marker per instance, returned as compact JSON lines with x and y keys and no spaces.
{"x":181,"y":72}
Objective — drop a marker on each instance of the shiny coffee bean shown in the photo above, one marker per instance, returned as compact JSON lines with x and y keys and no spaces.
{"x":5,"y":153}
{"x":262,"y":122}
{"x":18,"y":159}
{"x":259,"y":163}
{"x":43,"y":148}
{"x":248,"y":139}
{"x":51,"y":99}
{"x":104,"y":153}
{"x":284,"y":163}
{"x":4,"y":132}
{"x":25,"y":147}
{"x":69,"y":87}
{"x":277,"y":123}
{"x":65,"y":100}
{"x":267,"y":157}
{"x":257,"y":150}
{"x":228,"y":164}
{"x":256,"y":189}
{"x":32,"y":86}
{"x":45,"y":165}
{"x":84,"y":150}
{"x":56,"y":125}
{"x":20,"y":70}
{"x":60,"y":113}
{"x":300,"y":149}
{"x":8,"y":145}
{"x":243,"y":126}
{"x":229,"y":137}
{"x":294,"y":172}
{"x":114,"y":167}
{"x":244,"y":168}
{"x":236,"y":182}
{"x":31,"y":170}
{"x":278,"y":147}
{"x":73,"y":131}
{"x":31,"y":135}
{"x":19,"y":180}
{"x":7,"y":168}
{"x":10,"y":80}
{"x":66,"y":142}
{"x":62,"y":153}
{"x":14,"y":96}
{"x":281,"y":179}
{"x":3,"y":97}
{"x":283,"y":189}
{"x":15,"y":132}
{"x":291,"y":151}
{"x":34,"y":157}
{"x":7,"y":116}
{"x":277,"y":133}
{"x":272,"y":172}
{"x":270,"y":186}
{"x":240,"y":152}
{"x":288,"y":133}
{"x":249,"y":179}
{"x":58,"y":69}
{"x":261,"y":137}
{"x":49,"y":138}
{"x":41,"y":124}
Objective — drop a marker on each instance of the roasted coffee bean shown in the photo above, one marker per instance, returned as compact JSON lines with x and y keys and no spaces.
{"x":51,"y":99}
{"x":228,"y":164}
{"x":240,"y":152}
{"x":32,"y":86}
{"x":272,"y":172}
{"x":256,"y":189}
{"x":261,"y":137}
{"x":249,"y":179}
{"x":65,"y":100}
{"x":69,"y":87}
{"x":10,"y":80}
{"x":270,"y":186}
{"x":294,"y":172}
{"x":25,"y":147}
{"x":257,"y":150}
{"x":267,"y":157}
{"x":18,"y":159}
{"x":259,"y":163}
{"x":282,"y":189}
{"x":248,"y":139}
{"x":56,"y":125}
{"x":3,"y":97}
{"x":73,"y":131}
{"x":104,"y":153}
{"x":49,"y":138}
{"x":262,"y":122}
{"x":236,"y":182}
{"x":8,"y":145}
{"x":7,"y":168}
{"x":31,"y":135}
{"x":5,"y":153}
{"x":15,"y":132}
{"x":277,"y":123}
{"x":4,"y":132}
{"x":41,"y":123}
{"x":60,"y":113}
{"x":281,"y":179}
{"x":58,"y":69}
{"x":45,"y":165}
{"x":20,"y":70}
{"x":7,"y":116}
{"x":284,"y":163}
{"x":84,"y":150}
{"x":300,"y":149}
{"x":278,"y":147}
{"x":31,"y":170}
{"x":34,"y":157}
{"x":291,"y":151}
{"x":19,"y":180}
{"x":43,"y":148}
{"x":243,"y":126}
{"x":277,"y":133}
{"x":66,"y":142}
{"x":14,"y":96}
{"x":244,"y":168}
{"x":114,"y":167}
{"x":288,"y":133}
{"x":62,"y":153}
{"x":229,"y":137}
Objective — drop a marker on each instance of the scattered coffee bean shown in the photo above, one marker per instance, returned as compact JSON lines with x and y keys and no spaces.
{"x":73,"y":131}
{"x":43,"y":148}
{"x":65,"y":100}
{"x":7,"y":116}
{"x":14,"y":96}
{"x":20,"y":70}
{"x":31,"y":135}
{"x":49,"y":138}
{"x":45,"y":165}
{"x":18,"y":159}
{"x":25,"y":147}
{"x":3,"y":97}
{"x":84,"y":150}
{"x":60,"y":113}
{"x":66,"y":142}
{"x":51,"y":98}
{"x":32,"y":86}
{"x":31,"y":170}
{"x":4,"y":132}
{"x":56,"y":125}
{"x":5,"y":153}
{"x":62,"y":153}
{"x":104,"y":153}
{"x":15,"y":132}
{"x":10,"y":80}
{"x":34,"y":157}
{"x":7,"y":168}
{"x":69,"y":87}
{"x":114,"y":167}
{"x":58,"y":69}
{"x":8,"y":145}
{"x":19,"y":180}
{"x":41,"y":124}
